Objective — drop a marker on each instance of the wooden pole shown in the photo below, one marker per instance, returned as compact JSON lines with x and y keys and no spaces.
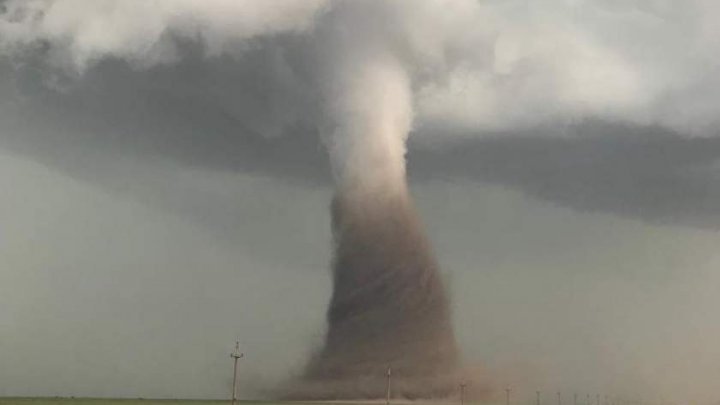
{"x":387,"y":393}
{"x":236,"y":355}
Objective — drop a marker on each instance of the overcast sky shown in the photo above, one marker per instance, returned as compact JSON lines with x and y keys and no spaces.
{"x":166,"y":190}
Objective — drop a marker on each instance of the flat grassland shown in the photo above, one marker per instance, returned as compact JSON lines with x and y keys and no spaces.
{"x":151,"y":401}
{"x":123,"y":401}
{"x":143,"y":401}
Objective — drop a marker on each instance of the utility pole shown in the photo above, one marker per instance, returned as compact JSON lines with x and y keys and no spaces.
{"x":575,"y":399}
{"x":597,"y":399}
{"x":387,"y":393}
{"x":559,"y":398}
{"x":537,"y":399}
{"x":462,"y":393}
{"x":236,"y":355}
{"x":507,"y":396}
{"x":587,"y":399}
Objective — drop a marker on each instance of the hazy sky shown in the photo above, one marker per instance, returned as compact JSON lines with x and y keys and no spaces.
{"x":166,"y":190}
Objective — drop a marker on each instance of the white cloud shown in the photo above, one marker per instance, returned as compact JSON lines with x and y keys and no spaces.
{"x":139,"y":30}
{"x":478,"y":65}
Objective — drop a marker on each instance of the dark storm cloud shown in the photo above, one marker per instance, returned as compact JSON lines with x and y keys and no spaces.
{"x":234,"y":86}
{"x":215,"y":114}
{"x":648,"y":173}
{"x":644,"y":172}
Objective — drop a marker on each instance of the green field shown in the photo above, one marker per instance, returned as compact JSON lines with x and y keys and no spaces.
{"x":142,"y":401}
{"x":117,"y":401}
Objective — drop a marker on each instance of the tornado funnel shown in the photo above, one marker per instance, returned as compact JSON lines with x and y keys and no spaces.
{"x":389,"y":306}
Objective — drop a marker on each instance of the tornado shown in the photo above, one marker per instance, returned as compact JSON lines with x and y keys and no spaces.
{"x":389,"y":306}
{"x":388,"y":309}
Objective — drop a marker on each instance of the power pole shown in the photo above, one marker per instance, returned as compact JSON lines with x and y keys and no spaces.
{"x":462,"y":393}
{"x":507,"y":396}
{"x":597,"y":399}
{"x":537,"y":400}
{"x":559,"y":398}
{"x":236,"y":355}
{"x":575,"y":399}
{"x":389,"y":374}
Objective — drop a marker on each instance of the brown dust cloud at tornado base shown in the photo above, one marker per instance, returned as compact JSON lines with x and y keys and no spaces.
{"x":389,"y":308}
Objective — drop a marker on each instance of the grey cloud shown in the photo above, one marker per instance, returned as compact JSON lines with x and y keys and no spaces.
{"x":485,"y":65}
{"x":159,"y":115}
{"x":216,"y":115}
{"x":648,"y":173}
